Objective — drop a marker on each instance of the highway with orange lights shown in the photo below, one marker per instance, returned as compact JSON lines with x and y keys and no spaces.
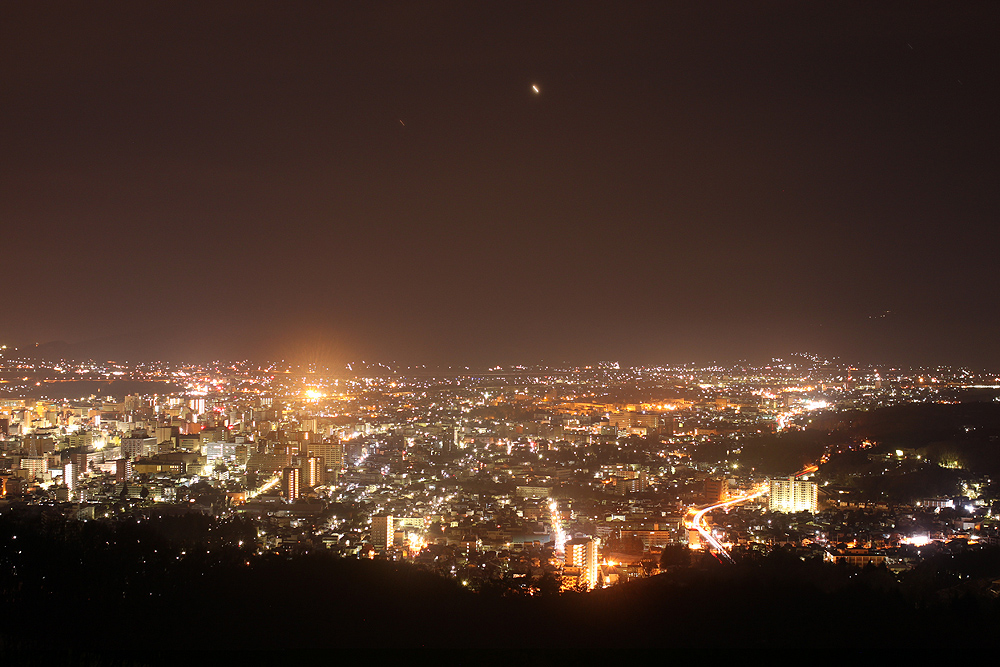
{"x":698,"y":520}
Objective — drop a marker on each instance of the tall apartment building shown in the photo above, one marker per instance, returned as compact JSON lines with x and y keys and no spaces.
{"x":312,"y":471}
{"x":71,"y":474}
{"x":123,"y":470}
{"x":626,"y":420}
{"x":37,"y":445}
{"x":268,"y":462}
{"x":35,"y":465}
{"x":789,"y":494}
{"x":332,"y":454}
{"x":716,"y":490}
{"x":291,"y":483}
{"x":138,"y":445}
{"x":383,"y":531}
{"x":582,"y":553}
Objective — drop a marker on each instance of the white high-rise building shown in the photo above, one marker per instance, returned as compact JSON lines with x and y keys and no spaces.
{"x":583,"y":553}
{"x":793,"y":495}
{"x":70,"y":475}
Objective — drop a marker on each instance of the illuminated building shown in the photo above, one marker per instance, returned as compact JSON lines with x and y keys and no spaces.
{"x":70,"y":475}
{"x":123,"y":470}
{"x":534,"y":491}
{"x":382,"y":531}
{"x":291,"y":483}
{"x":35,"y":465}
{"x":856,"y":557}
{"x":37,"y":445}
{"x":189,"y":442}
{"x":219,"y":450}
{"x":789,"y":494}
{"x":332,"y":455}
{"x":268,"y":462}
{"x":138,"y":445}
{"x":651,"y":538}
{"x":134,"y":403}
{"x":582,"y":553}
{"x":84,"y":439}
{"x":694,"y":538}
{"x":166,"y":434}
{"x":11,"y":486}
{"x":312,"y":469}
{"x":630,"y":482}
{"x":716,"y":490}
{"x":79,"y":459}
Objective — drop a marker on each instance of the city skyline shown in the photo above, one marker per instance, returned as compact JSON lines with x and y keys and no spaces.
{"x":399,"y":502}
{"x":528,"y":327}
{"x":496,"y":184}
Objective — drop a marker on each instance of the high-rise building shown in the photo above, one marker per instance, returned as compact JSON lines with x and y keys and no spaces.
{"x":35,"y":465}
{"x":123,"y":470}
{"x":268,"y":462}
{"x":37,"y":445}
{"x":716,"y":489}
{"x":166,"y":433}
{"x":70,"y":475}
{"x":582,"y":553}
{"x":332,"y":454}
{"x":382,"y":531}
{"x":79,"y":459}
{"x":138,"y":445}
{"x":789,"y":494}
{"x":312,"y":471}
{"x":291,"y":483}
{"x":134,"y":403}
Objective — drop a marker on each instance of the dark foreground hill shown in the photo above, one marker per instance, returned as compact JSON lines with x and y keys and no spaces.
{"x":131,"y":594}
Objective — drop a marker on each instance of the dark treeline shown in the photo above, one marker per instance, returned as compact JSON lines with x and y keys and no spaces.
{"x":145,"y":586}
{"x":963,"y":435}
{"x":784,"y":453}
{"x":969,"y":426}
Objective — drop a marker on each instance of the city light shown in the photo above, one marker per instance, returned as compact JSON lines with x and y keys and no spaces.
{"x":478,"y":477}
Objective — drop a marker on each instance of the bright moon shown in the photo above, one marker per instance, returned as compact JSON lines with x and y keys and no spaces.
{"x":535,"y":88}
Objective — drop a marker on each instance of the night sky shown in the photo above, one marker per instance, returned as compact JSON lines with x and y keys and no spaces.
{"x":340,"y":181}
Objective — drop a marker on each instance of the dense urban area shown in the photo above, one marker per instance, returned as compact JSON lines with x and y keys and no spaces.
{"x":512,"y":482}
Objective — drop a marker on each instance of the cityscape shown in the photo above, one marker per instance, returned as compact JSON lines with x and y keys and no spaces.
{"x":503,"y":331}
{"x":516,"y":481}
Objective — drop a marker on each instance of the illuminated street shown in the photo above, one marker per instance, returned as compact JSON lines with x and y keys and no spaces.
{"x":699,"y":522}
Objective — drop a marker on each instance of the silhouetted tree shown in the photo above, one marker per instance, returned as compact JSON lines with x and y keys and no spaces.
{"x":675,"y":556}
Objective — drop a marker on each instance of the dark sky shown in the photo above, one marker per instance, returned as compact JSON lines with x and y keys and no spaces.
{"x":694,"y":180}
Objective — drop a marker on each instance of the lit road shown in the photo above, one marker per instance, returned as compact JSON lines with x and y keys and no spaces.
{"x":698,"y":520}
{"x":267,"y":486}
